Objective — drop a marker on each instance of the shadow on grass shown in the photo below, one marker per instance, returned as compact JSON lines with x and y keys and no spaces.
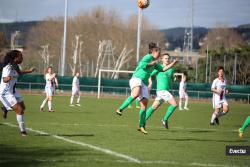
{"x":13,"y":156}
{"x":193,"y":139}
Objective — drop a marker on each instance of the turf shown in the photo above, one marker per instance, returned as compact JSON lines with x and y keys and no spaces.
{"x":190,"y":141}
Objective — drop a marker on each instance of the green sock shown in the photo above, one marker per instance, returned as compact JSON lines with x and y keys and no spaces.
{"x":149,"y":112}
{"x":125,"y":104}
{"x":170,"y":110}
{"x":245,"y":124}
{"x":142,"y":118}
{"x":137,"y":103}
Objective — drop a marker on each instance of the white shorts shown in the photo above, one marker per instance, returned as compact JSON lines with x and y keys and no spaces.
{"x":163,"y":95}
{"x":218,"y":103}
{"x":75,"y":91}
{"x":183,"y":95}
{"x":134,"y":82}
{"x":9,"y":99}
{"x":49,"y":91}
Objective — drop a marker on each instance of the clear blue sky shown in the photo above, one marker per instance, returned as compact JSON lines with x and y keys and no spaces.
{"x":162,"y":13}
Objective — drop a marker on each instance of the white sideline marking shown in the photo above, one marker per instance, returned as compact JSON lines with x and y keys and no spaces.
{"x":110,"y":152}
{"x":106,"y":151}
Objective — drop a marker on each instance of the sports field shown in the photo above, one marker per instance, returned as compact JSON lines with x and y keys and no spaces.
{"x":92,"y":135}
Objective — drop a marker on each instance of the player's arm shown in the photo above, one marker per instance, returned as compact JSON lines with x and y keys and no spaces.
{"x":7,"y":79}
{"x":170,"y":65}
{"x":56,"y":81}
{"x":27,"y":71}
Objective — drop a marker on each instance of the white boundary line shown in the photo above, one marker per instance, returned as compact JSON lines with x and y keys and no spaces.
{"x":106,"y":151}
{"x":113,"y":153}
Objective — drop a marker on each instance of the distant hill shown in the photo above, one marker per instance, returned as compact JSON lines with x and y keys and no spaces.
{"x":175,"y":36}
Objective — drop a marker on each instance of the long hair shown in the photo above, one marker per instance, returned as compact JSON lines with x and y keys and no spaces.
{"x":9,"y":58}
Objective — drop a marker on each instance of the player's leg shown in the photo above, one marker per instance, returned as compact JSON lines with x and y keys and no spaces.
{"x":170,"y":110}
{"x":244,"y":126}
{"x":78,"y":98}
{"x":186,"y":102}
{"x":72,"y":98}
{"x":135,"y":86}
{"x":181,"y":98}
{"x":142,"y":119}
{"x":152,"y":108}
{"x":225,"y":109}
{"x":50,"y":98}
{"x":43,"y":104}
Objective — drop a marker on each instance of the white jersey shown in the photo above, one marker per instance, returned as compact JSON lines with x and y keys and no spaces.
{"x":50,"y":83}
{"x":75,"y":83}
{"x":8,"y":87}
{"x":221,"y":85}
{"x":183,"y":86}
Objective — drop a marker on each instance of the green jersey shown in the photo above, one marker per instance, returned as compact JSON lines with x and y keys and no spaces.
{"x":163,"y":78}
{"x":143,"y":71}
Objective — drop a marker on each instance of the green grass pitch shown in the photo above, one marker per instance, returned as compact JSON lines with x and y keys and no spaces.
{"x":92,"y":135}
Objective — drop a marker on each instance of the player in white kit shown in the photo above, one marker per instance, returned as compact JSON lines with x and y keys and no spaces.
{"x":75,"y":90}
{"x":8,"y":94}
{"x":50,"y":88}
{"x":183,"y":93}
{"x":219,"y":100}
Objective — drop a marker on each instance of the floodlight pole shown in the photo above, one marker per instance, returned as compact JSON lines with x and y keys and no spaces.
{"x":138,"y":34}
{"x":64,"y":39}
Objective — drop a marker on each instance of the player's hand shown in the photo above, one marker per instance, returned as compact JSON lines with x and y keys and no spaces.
{"x":176,"y":60}
{"x":226,"y":91}
{"x":32,"y":69}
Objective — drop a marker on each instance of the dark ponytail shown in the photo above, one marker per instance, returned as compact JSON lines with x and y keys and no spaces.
{"x":151,"y":45}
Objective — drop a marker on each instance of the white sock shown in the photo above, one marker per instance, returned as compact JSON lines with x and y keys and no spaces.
{"x":50,"y":105}
{"x":180,"y":105}
{"x":20,"y":121}
{"x":43,"y":103}
{"x":72,"y":99}
{"x":78,"y":99}
{"x":214,"y":115}
{"x":186,"y":103}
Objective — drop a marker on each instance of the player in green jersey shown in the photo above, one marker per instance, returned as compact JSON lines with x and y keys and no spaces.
{"x":244,"y":126}
{"x":139,"y":81}
{"x":163,"y":94}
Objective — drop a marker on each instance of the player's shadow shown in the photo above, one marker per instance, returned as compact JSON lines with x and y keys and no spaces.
{"x":194,"y":139}
{"x":12,"y":156}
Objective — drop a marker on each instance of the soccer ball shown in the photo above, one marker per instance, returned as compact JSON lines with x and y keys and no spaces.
{"x":143,"y":3}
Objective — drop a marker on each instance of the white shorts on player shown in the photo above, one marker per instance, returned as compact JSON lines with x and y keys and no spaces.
{"x":49,"y":91}
{"x":183,"y":94}
{"x":134,"y":82}
{"x":163,"y":95}
{"x":9,"y":99}
{"x":75,"y":91}
{"x":218,"y":103}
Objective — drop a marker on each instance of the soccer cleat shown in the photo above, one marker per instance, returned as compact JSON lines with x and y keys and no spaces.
{"x":24,"y":133}
{"x":241,"y":133}
{"x":217,"y":121}
{"x":41,"y":109}
{"x":164,"y":123}
{"x":185,"y":108}
{"x":212,"y":123}
{"x":72,"y":105}
{"x":79,"y":105}
{"x":142,"y":130}
{"x":129,"y":106}
{"x":138,"y":107}
{"x":118,"y":112}
{"x":51,"y":110}
{"x":4,"y":111}
{"x":180,"y":108}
